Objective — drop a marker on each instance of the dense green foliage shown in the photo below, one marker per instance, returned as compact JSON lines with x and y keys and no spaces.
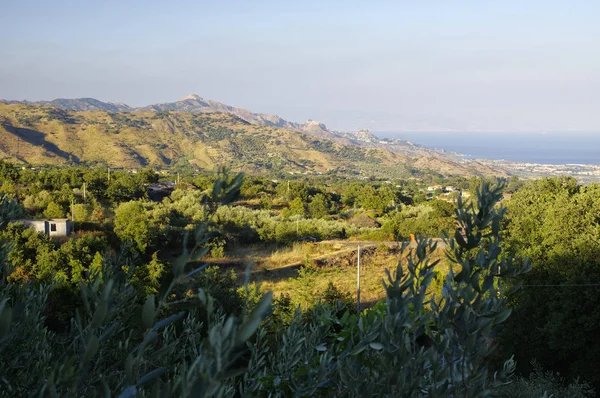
{"x":35,"y":256}
{"x":134,"y":223}
{"x":321,"y":208}
{"x":118,"y":346}
{"x":422,"y":220}
{"x":125,"y":249}
{"x":556,"y":223}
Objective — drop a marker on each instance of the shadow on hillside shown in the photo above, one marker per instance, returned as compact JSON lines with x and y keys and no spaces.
{"x":36,"y":138}
{"x":139,"y":158}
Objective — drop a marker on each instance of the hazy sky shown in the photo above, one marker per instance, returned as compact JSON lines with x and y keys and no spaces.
{"x":505,"y":65}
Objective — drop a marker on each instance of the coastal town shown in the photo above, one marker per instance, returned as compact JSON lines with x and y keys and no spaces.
{"x":584,"y":173}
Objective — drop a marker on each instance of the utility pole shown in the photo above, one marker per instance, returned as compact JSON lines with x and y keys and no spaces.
{"x":109,"y":174}
{"x":72,"y":215}
{"x":358,"y":282}
{"x":84,"y":201}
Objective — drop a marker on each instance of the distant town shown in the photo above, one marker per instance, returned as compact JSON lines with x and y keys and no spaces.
{"x":584,"y":173}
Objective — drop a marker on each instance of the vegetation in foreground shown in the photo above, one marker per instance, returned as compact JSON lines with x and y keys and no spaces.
{"x":177,"y":343}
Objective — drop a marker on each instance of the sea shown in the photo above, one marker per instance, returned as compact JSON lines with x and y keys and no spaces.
{"x":532,"y":147}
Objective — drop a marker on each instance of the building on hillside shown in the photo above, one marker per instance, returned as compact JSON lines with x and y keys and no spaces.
{"x":160,"y":190}
{"x":157,"y":192}
{"x":50,"y":227}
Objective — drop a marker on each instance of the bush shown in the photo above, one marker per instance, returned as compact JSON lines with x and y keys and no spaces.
{"x":54,"y":211}
{"x":545,"y":384}
{"x":425,"y":220}
{"x":134,"y":223}
{"x":223,"y":287}
{"x":245,"y":225}
{"x":318,"y":206}
{"x":332,"y":296}
{"x":377,"y":235}
{"x":82,"y":212}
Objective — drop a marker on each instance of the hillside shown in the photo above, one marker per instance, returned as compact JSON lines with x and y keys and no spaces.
{"x":191,"y":103}
{"x":46,"y":135}
{"x":78,"y":104}
{"x":196,"y":104}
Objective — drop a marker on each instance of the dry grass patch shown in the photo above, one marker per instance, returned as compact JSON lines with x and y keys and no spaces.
{"x":306,"y":282}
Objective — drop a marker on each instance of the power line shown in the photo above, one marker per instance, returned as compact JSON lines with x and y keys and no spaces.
{"x":566,"y":285}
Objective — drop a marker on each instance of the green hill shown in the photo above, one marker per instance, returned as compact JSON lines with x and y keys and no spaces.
{"x":40,"y":135}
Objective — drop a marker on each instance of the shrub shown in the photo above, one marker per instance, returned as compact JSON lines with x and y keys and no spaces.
{"x":82,"y":212}
{"x":332,"y":296}
{"x":545,"y":384}
{"x":54,"y":211}
{"x":134,"y":223}
{"x":378,"y":235}
{"x":318,"y":206}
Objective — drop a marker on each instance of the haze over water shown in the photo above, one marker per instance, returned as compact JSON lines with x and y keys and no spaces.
{"x":541,"y":147}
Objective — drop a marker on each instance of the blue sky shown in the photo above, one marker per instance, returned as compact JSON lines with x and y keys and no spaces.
{"x":402,"y":65}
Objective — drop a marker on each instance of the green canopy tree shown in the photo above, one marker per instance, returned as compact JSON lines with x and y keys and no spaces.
{"x":295,"y":208}
{"x":133,"y":224}
{"x":556,"y":223}
{"x":318,"y":206}
{"x":54,"y":210}
{"x":82,"y":212}
{"x":8,"y":172}
{"x":124,"y":187}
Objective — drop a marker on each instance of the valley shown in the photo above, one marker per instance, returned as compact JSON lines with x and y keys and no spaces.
{"x":367,"y":199}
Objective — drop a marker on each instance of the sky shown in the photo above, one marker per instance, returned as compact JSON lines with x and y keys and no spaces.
{"x":387,"y":66}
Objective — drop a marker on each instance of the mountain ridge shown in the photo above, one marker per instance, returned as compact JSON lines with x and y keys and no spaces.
{"x":39,"y":135}
{"x":196,"y":103}
{"x":77,"y":104}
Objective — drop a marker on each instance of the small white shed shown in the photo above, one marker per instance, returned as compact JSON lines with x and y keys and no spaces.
{"x":50,"y":227}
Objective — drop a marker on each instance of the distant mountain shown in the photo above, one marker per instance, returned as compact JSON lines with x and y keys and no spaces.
{"x":79,"y":104}
{"x":191,"y":103}
{"x":195,"y":104}
{"x":364,"y":138}
{"x":41,"y":135}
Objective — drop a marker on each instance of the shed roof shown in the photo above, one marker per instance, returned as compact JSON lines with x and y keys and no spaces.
{"x":40,"y":219}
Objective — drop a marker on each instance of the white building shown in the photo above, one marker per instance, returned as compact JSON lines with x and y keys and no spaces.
{"x":49,"y":227}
